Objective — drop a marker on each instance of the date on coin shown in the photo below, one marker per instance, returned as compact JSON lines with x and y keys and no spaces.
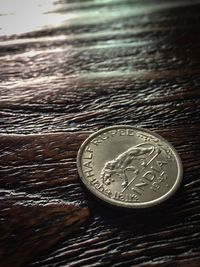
{"x":129,"y":167}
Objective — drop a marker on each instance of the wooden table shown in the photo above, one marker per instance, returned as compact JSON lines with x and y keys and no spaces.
{"x":67,"y":69}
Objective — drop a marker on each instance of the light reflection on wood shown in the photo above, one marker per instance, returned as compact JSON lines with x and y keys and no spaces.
{"x":22,"y":16}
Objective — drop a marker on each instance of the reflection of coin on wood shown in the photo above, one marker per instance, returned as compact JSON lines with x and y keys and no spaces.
{"x":138,"y":172}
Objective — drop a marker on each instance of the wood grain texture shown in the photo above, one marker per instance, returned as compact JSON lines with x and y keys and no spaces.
{"x":40,"y":195}
{"x":87,"y":65}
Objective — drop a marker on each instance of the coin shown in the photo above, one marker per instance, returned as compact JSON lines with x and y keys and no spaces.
{"x":129,"y":167}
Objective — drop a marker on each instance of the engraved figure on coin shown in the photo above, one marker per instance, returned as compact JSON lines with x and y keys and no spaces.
{"x":124,"y":162}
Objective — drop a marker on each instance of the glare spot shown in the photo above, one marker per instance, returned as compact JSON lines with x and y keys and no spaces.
{"x":21,"y":16}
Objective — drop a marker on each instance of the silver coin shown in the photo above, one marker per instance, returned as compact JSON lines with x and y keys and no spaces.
{"x":129,"y":167}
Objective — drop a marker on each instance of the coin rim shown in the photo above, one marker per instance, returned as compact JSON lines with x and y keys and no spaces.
{"x":120,"y":203}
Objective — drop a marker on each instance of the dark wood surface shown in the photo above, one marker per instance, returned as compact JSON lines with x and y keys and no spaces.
{"x":67,"y":73}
